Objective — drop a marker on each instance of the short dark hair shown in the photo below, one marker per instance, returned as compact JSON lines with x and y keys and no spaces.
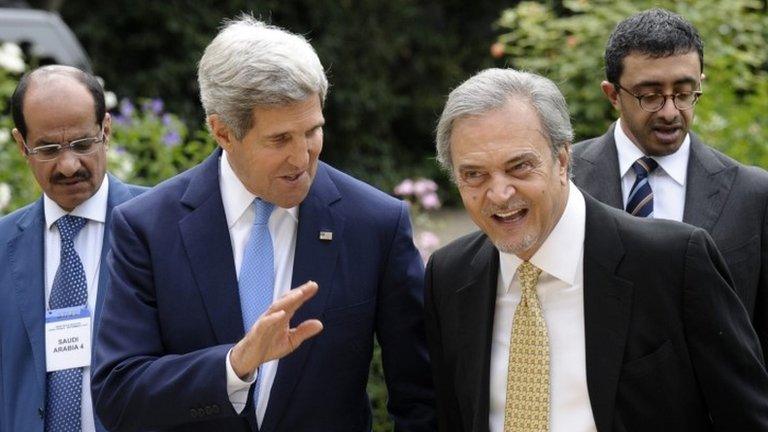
{"x":656,"y":33}
{"x":89,"y":81}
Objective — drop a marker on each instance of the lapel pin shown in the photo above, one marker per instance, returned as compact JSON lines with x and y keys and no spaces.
{"x":326,"y":235}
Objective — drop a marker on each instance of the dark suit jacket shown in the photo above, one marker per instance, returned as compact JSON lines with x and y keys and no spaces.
{"x":174,"y":313}
{"x":22,"y":310}
{"x":727,"y":199}
{"x":669,"y":346}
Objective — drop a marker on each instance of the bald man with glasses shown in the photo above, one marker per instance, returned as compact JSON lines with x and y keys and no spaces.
{"x":651,"y":165}
{"x":53,"y":251}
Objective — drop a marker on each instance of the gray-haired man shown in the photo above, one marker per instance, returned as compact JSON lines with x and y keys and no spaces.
{"x":564,"y":314}
{"x":202,"y":306}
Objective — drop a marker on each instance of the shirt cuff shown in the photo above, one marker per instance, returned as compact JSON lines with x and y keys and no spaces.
{"x":237,"y":389}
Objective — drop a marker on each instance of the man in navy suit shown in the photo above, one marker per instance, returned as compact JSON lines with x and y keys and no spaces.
{"x":188,"y":341}
{"x":62,"y":129}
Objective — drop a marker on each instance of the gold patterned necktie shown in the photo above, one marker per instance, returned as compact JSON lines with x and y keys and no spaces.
{"x":527,"y":404}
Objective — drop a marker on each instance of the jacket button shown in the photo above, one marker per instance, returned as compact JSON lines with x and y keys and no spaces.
{"x":200,"y":412}
{"x":208,"y":410}
{"x":193,"y":413}
{"x":41,"y":412}
{"x":216,"y":409}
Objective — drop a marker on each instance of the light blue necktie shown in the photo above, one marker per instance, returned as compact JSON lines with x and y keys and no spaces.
{"x":257,"y":272}
{"x":69,"y":289}
{"x":640,"y":200}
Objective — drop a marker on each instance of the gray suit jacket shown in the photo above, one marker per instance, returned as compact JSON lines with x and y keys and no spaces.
{"x":724,"y":197}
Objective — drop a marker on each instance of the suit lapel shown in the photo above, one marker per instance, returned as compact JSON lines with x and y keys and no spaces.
{"x":205,"y":235}
{"x":118,"y":193}
{"x":477,"y":301}
{"x":607,"y":307}
{"x":314,"y":259}
{"x":600,"y":177}
{"x":26,"y":254}
{"x":707,"y":186}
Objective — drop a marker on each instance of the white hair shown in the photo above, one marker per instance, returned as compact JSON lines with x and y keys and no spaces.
{"x":249,"y":64}
{"x":494,"y":88}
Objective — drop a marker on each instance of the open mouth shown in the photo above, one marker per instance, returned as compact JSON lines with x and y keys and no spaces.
{"x":292,"y":178}
{"x":667,"y":134}
{"x":510,"y":216}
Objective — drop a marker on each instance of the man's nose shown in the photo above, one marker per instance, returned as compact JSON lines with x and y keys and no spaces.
{"x":668,"y":111}
{"x":300,"y":153}
{"x":68,"y":163}
{"x":501,"y":189}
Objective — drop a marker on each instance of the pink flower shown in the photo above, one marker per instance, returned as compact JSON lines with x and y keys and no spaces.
{"x":430,"y":201}
{"x":405,"y":188}
{"x":424,"y":186}
{"x":428,"y":240}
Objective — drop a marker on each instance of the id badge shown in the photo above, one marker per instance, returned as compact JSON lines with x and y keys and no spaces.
{"x":67,"y":338}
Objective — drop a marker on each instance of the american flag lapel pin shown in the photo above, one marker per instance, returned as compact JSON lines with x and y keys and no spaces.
{"x":326,"y":235}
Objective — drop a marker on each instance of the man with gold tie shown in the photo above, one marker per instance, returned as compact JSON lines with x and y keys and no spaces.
{"x":563,"y":314}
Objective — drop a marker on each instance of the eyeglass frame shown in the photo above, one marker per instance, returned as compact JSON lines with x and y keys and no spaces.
{"x":697,"y":94}
{"x":34,"y":152}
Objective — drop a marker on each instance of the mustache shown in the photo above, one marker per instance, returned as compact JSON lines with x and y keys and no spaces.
{"x":511,"y":205}
{"x":79,"y":175}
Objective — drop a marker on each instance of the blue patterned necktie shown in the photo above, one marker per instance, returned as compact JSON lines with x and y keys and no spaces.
{"x":257,"y":272}
{"x":69,"y":289}
{"x":640,"y":201}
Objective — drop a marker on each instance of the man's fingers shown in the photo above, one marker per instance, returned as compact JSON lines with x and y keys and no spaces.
{"x":294,"y":298}
{"x":304,"y":331}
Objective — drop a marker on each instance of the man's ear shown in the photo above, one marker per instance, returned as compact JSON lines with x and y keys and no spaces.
{"x":19,"y":141}
{"x":221,"y":132}
{"x":611,"y":92}
{"x":564,"y":157}
{"x":106,"y":128}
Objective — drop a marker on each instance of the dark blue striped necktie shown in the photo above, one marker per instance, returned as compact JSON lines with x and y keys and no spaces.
{"x":640,"y":201}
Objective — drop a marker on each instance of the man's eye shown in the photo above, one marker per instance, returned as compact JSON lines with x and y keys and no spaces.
{"x":48,"y":150}
{"x":82,"y":146}
{"x":473,"y":177}
{"x":652,"y":98}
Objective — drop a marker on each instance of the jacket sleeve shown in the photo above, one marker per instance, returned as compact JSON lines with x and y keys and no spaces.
{"x":400,"y":332}
{"x":724,"y":348}
{"x":136,"y":384}
{"x":447,"y":405}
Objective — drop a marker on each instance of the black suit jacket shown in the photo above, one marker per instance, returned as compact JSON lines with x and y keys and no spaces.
{"x":669,"y":346}
{"x":727,"y":199}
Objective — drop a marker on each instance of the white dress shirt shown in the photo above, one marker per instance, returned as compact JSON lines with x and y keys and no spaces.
{"x":667,"y":181}
{"x":561,"y":294}
{"x":282,"y":226}
{"x":88,"y":244}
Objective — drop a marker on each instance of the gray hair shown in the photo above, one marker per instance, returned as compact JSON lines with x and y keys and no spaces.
{"x":492,"y":89}
{"x":249,"y":64}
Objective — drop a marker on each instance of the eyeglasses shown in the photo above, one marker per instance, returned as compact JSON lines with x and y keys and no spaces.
{"x":652,"y":102}
{"x":82,"y":147}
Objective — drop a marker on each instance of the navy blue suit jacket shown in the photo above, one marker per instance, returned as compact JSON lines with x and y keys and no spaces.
{"x":174,"y":312}
{"x":22,"y":310}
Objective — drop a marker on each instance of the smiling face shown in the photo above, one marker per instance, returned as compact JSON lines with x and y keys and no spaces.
{"x":511,"y":185}
{"x":660,"y":133}
{"x":277,"y":158}
{"x":58,"y":109}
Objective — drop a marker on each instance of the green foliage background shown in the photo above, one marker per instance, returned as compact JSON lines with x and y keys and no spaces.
{"x":390,"y":65}
{"x":565,"y":41}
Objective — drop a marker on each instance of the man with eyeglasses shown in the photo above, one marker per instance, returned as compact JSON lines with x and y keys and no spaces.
{"x":649,"y":164}
{"x":54,"y":272}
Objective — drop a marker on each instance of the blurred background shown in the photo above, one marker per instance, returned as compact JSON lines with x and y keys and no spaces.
{"x":391,"y":65}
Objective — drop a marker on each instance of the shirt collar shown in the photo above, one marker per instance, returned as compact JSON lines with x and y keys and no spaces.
{"x":561,"y":252}
{"x":236,"y":198}
{"x":94,"y":208}
{"x":675,"y":164}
